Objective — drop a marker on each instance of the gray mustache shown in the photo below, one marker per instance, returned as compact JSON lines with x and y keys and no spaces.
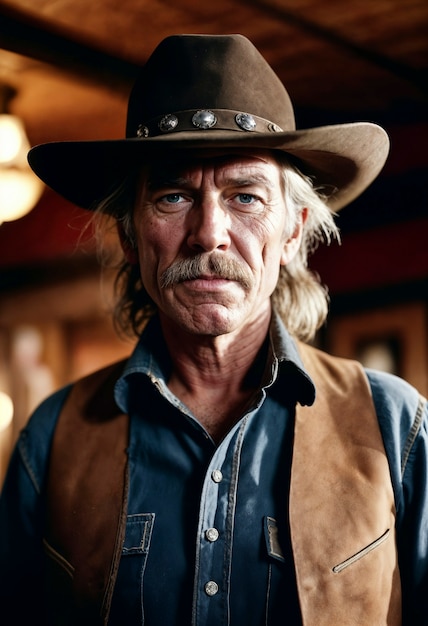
{"x":203,"y":265}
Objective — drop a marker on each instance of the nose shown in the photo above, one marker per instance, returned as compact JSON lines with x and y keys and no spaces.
{"x":209,"y":225}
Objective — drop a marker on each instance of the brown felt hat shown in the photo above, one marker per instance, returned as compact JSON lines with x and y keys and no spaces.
{"x":213,"y":91}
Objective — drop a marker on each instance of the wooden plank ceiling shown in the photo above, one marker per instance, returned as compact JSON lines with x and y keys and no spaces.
{"x":72,"y":63}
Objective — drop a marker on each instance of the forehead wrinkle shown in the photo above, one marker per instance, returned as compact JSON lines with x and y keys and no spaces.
{"x":238,"y":180}
{"x":251,"y":179}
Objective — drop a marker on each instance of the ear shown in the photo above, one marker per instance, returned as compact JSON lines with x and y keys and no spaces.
{"x":292,"y":244}
{"x":131,"y":253}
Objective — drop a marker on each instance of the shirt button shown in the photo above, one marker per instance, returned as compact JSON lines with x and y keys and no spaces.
{"x":212,"y":534}
{"x":217,"y":476}
{"x":211,"y":588}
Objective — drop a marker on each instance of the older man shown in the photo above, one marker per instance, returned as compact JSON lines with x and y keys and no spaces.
{"x":227,"y":473}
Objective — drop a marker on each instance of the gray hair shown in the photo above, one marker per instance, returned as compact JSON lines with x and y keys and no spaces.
{"x":299,"y":297}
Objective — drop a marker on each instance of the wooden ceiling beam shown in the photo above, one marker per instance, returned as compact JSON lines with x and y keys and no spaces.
{"x":418,"y":77}
{"x":33,"y":37}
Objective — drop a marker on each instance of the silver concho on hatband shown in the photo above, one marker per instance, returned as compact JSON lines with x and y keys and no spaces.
{"x":204,"y":119}
{"x":142,"y":131}
{"x":245,"y":121}
{"x":168,"y":123}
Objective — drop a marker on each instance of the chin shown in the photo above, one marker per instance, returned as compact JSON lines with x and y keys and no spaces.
{"x":215,"y":323}
{"x":208,"y":329}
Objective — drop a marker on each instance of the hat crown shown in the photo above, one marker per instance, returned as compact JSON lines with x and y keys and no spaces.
{"x":189,"y":72}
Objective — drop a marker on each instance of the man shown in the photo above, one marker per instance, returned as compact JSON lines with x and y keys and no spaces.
{"x":227,"y":473}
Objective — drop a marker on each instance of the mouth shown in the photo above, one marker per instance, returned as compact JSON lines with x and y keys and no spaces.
{"x":208,"y":282}
{"x":206,"y":276}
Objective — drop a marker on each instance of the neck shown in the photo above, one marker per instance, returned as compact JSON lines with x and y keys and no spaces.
{"x":210,"y":375}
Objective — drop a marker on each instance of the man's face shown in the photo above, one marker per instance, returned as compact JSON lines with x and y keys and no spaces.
{"x":212,"y":234}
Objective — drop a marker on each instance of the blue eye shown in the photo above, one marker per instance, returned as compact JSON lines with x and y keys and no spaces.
{"x":246,"y":198}
{"x":173,"y":198}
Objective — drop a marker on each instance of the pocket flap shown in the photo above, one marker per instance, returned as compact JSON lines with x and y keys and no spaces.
{"x":272,"y":539}
{"x":138,"y":533}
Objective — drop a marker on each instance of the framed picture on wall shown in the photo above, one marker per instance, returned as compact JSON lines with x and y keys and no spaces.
{"x":392,"y":339}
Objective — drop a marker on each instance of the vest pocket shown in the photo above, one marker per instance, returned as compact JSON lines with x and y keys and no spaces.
{"x":58,"y":559}
{"x":361,"y":553}
{"x":59,"y":588}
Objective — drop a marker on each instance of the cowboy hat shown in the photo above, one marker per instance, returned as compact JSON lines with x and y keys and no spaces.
{"x":213,"y":91}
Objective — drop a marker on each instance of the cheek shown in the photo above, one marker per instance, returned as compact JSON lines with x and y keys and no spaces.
{"x":260,"y":246}
{"x":151,"y":236}
{"x":148,"y":251}
{"x":158,"y":246}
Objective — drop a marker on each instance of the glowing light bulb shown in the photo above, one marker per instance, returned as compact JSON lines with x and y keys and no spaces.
{"x":6,"y":410}
{"x":13,"y":139}
{"x":20,"y":189}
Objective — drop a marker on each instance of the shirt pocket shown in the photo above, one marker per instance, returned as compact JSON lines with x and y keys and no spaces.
{"x":138,"y":534}
{"x":281,"y":592}
{"x":127,"y":601}
{"x":273,"y":545}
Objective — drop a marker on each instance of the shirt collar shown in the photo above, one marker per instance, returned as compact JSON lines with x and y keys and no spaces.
{"x":290,"y":365}
{"x":284,"y":366}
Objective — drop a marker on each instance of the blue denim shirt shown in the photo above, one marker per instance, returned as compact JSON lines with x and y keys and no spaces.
{"x":207,"y":539}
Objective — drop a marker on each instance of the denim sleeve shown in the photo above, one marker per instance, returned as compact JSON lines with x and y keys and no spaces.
{"x":22,"y":517}
{"x":403,"y":418}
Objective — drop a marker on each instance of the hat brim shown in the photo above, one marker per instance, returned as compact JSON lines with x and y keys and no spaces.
{"x":343,"y":159}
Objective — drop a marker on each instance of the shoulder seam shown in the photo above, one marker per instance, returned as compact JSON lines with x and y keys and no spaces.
{"x":22,"y":445}
{"x":416,"y":426}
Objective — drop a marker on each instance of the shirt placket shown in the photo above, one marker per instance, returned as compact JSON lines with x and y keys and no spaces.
{"x":215,"y":533}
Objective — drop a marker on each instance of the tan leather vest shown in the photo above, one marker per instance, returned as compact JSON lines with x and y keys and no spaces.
{"x":341,"y":502}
